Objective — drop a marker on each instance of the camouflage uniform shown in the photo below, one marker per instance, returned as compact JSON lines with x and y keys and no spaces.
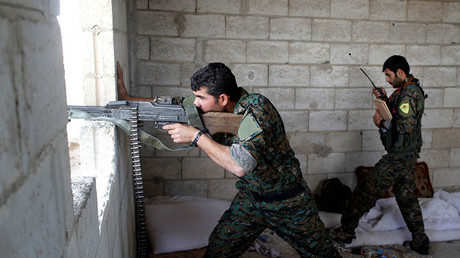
{"x":402,"y":142}
{"x":263,"y":151}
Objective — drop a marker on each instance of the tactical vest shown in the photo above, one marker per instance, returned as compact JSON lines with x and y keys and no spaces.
{"x":396,"y":142}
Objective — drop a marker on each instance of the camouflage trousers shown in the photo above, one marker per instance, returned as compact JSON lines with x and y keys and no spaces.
{"x":296,"y":220}
{"x":395,"y":170}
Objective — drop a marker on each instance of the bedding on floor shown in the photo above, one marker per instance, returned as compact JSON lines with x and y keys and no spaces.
{"x":383,"y":224}
{"x":179,"y":223}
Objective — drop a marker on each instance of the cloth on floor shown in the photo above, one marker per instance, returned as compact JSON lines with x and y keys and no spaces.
{"x":439,"y":213}
{"x":261,"y":246}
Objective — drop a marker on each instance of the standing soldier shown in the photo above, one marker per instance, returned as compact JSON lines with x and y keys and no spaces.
{"x":402,"y":139}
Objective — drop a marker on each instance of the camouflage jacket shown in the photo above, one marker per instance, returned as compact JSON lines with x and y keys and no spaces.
{"x":262,"y":134}
{"x":407,"y":104}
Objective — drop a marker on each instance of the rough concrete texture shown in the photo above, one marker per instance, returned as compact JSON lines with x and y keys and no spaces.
{"x":305,"y":56}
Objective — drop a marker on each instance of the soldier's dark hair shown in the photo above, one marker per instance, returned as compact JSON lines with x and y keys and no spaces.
{"x":218,"y":79}
{"x":396,"y":62}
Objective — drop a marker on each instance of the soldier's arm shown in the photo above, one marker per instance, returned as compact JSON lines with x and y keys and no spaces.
{"x":407,"y":113}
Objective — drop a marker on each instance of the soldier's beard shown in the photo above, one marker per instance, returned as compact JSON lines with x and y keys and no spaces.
{"x":397,"y":82}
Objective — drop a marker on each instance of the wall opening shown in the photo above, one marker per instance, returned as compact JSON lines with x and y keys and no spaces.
{"x":89,"y":77}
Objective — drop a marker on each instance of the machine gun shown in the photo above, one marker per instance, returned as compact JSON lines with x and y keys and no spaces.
{"x":160,"y":111}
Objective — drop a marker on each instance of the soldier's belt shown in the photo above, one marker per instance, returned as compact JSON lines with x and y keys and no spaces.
{"x":275,"y":197}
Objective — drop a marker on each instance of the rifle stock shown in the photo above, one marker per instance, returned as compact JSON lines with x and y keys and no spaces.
{"x":221,"y":122}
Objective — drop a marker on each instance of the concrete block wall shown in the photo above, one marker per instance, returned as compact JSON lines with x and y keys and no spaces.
{"x":305,"y":57}
{"x":40,"y":214}
{"x":35,"y":194}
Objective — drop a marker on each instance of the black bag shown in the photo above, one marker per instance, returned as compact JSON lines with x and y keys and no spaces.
{"x":333,"y":196}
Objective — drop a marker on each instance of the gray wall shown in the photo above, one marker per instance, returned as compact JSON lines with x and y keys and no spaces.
{"x":43,"y":211}
{"x":305,"y":56}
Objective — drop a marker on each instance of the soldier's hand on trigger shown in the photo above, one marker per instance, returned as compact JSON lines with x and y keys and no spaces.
{"x":181,"y":133}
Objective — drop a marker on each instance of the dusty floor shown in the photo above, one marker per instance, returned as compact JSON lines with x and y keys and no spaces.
{"x":449,"y":249}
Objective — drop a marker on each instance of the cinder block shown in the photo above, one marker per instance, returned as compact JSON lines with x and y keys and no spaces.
{"x":349,"y":53}
{"x":327,"y":75}
{"x":424,"y":11}
{"x":222,"y":189}
{"x":156,"y":23}
{"x":456,"y":118}
{"x":224,"y":6}
{"x":438,"y":118}
{"x":308,"y":53}
{"x":371,"y":141}
{"x":201,"y":168}
{"x":446,"y":138}
{"x":454,"y":157}
{"x":247,"y":27}
{"x":436,"y":158}
{"x":344,"y":141}
{"x":302,"y":158}
{"x":446,"y":177}
{"x":355,"y":159}
{"x":142,"y":4}
{"x":331,"y":30}
{"x":271,"y":7}
{"x":427,"y":136}
{"x":450,"y":12}
{"x":176,"y":5}
{"x":309,"y":8}
{"x":295,"y":121}
{"x":446,"y":76}
{"x":451,"y":97}
{"x":328,"y":120}
{"x":443,"y":34}
{"x":423,"y":55}
{"x":251,"y":74}
{"x":267,"y":52}
{"x":209,"y":26}
{"x":173,"y":49}
{"x":314,"y":99}
{"x":408,"y":33}
{"x":165,"y":168}
{"x":290,"y":28}
{"x":393,"y":10}
{"x":142,"y":48}
{"x":358,"y":79}
{"x":158,"y":73}
{"x":378,"y":54}
{"x":315,"y":181}
{"x":353,"y":99}
{"x":282,"y":98}
{"x":370,"y":32}
{"x":435,"y":97}
{"x":288,"y":75}
{"x":186,"y":72}
{"x":332,"y":163}
{"x":187,"y":187}
{"x":361,"y":120}
{"x":305,"y":143}
{"x":233,"y":51}
{"x":450,"y":55}
{"x":350,"y":9}
{"x":153,"y":188}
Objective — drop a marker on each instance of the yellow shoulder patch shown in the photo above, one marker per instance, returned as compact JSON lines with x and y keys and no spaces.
{"x":248,"y":127}
{"x":404,"y":107}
